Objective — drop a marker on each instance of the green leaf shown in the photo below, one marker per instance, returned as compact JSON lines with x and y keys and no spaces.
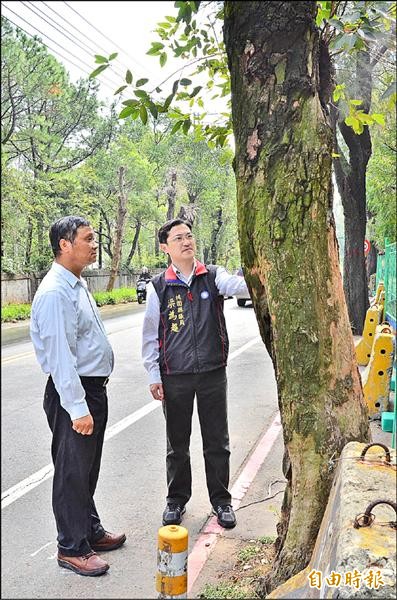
{"x":155,"y":49}
{"x":97,"y":71}
{"x":168,"y":101}
{"x":185,"y":81}
{"x":113,"y":56}
{"x":100,"y":59}
{"x":153,"y":109}
{"x":163,"y":59}
{"x":177,"y":126}
{"x":120,"y":89}
{"x":126,"y":112}
{"x":141,"y":94}
{"x":186,"y":126}
{"x":131,"y":102}
{"x":195,"y":91}
{"x":128,"y":76}
{"x":335,"y":155}
{"x":141,"y":82}
{"x":378,"y":118}
{"x":143,"y":114}
{"x":175,"y":86}
{"x":356,"y":102}
{"x":354,"y":124}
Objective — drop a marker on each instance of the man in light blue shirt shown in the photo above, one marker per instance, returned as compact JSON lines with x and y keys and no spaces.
{"x":72,"y":347}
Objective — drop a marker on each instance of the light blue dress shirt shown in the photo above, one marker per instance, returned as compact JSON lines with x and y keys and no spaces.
{"x":69,"y":337}
{"x":227,"y":284}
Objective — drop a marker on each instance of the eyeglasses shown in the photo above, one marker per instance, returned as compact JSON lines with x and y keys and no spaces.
{"x":180,"y":238}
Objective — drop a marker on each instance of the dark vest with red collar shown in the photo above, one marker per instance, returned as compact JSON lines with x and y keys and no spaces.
{"x":192,"y":329}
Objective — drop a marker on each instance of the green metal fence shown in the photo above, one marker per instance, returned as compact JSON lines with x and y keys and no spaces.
{"x":386,"y":272}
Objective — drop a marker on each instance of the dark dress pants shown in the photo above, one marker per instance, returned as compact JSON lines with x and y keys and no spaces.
{"x":77,"y":460}
{"x":210,"y":388}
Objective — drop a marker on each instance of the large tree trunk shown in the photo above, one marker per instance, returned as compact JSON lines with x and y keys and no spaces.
{"x":350,"y":178}
{"x":118,"y":238}
{"x":290,"y":254}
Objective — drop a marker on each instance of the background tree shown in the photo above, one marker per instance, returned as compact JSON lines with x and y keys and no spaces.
{"x":49,"y":125}
{"x":361,"y":38}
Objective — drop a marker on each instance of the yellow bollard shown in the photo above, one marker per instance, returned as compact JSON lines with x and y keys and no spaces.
{"x":171,"y":578}
{"x":376,"y":377}
{"x":379,"y":289}
{"x":364,"y":346}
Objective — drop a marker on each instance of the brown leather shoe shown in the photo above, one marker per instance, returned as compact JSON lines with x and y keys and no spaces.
{"x":90,"y":564}
{"x":109,"y":541}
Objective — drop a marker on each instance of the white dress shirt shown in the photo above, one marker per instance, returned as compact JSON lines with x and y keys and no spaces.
{"x":69,"y":337}
{"x":228,"y":285}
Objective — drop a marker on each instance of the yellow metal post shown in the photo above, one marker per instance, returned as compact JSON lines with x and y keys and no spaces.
{"x":171,"y":578}
{"x":364,"y":346}
{"x":376,"y":377}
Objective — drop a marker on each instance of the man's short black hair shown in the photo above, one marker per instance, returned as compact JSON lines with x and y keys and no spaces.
{"x":65,"y":229}
{"x":165,"y":229}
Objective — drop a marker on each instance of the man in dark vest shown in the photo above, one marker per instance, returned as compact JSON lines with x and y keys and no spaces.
{"x":185,"y":349}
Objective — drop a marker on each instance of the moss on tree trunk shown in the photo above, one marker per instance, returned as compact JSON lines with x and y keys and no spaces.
{"x":290,"y":254}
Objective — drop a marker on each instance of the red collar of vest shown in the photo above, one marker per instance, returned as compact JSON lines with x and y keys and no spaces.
{"x":170,"y":273}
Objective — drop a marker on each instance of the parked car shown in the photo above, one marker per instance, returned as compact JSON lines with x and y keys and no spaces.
{"x":242,"y":299}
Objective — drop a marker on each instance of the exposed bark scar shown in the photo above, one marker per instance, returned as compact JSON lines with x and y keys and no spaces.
{"x":253,"y":143}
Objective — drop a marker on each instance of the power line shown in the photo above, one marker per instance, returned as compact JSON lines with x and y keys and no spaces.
{"x":107,"y":38}
{"x":93,"y":50}
{"x":56,"y":28}
{"x":57,"y":43}
{"x":52,"y":49}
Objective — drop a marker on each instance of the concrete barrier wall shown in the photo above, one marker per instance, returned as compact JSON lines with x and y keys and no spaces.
{"x":349,"y":559}
{"x":20,"y":289}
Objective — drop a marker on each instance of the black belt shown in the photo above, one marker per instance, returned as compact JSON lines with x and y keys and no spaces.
{"x":98,"y":380}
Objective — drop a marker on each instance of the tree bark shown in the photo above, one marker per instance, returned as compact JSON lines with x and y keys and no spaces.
{"x":134,"y":242}
{"x":350,"y":178}
{"x":171,"y":195}
{"x":218,"y":222}
{"x":290,"y":255}
{"x":119,"y":233}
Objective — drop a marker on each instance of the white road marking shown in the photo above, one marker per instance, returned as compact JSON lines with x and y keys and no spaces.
{"x":28,"y":484}
{"x":42,"y":548}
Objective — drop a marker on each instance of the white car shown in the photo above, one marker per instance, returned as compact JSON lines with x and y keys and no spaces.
{"x":242,"y":299}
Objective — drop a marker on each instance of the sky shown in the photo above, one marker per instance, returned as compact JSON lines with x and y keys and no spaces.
{"x":76,"y":30}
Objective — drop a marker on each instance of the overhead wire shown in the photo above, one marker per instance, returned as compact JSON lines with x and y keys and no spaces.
{"x":109,"y":85}
{"x":107,"y":38}
{"x":52,"y":49}
{"x":91,"y":49}
{"x":59,"y":30}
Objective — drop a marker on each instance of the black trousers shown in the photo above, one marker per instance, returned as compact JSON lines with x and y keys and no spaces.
{"x":210,"y":388}
{"x":77,"y":460}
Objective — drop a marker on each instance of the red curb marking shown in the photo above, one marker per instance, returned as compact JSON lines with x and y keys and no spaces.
{"x":211,"y":532}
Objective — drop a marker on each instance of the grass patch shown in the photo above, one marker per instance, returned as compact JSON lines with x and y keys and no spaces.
{"x":253,"y":562}
{"x":10,"y":313}
{"x":119,"y":296}
{"x":225,"y":590}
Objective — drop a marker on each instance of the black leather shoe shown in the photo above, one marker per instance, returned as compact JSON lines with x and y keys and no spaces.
{"x":225,"y":516}
{"x":172,"y":514}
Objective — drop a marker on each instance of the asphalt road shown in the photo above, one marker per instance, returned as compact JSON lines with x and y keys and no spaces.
{"x":131,"y":491}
